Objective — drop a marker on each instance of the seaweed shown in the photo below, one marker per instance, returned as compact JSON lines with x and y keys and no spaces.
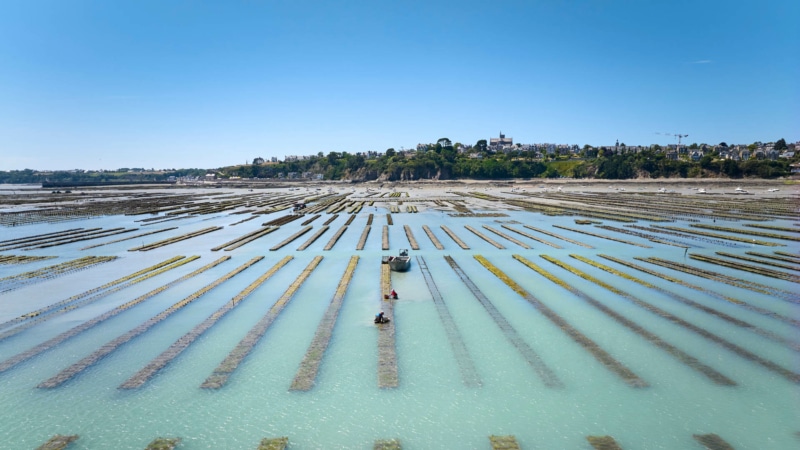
{"x":503,"y":442}
{"x":712,"y":442}
{"x":273,"y":443}
{"x":163,"y":444}
{"x":603,"y":443}
{"x":58,"y":442}
{"x":387,"y":444}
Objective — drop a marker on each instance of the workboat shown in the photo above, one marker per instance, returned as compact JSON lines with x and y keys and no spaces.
{"x":399,"y":263}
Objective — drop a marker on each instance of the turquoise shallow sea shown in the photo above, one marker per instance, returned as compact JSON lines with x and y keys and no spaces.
{"x":432,"y":408}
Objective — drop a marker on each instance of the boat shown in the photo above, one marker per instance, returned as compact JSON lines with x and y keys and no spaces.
{"x":399,"y":263}
{"x":702,"y":191}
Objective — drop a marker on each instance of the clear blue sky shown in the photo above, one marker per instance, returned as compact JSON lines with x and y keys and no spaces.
{"x":100,"y":84}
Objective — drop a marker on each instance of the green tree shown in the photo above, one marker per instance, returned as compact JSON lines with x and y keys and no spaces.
{"x":333,"y":157}
{"x":731,"y":168}
{"x":551,"y":172}
{"x":705,"y":162}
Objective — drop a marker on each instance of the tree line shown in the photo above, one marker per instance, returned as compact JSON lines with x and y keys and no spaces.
{"x":444,"y":162}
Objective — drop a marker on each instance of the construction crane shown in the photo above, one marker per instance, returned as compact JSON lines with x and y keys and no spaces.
{"x":679,"y":136}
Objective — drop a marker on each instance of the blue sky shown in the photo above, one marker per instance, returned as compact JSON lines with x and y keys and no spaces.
{"x":189,"y":83}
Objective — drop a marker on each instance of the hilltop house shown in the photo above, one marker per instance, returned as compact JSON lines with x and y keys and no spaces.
{"x":501,"y":142}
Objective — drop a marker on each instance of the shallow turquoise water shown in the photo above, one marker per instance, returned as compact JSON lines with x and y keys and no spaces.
{"x":431,"y":408}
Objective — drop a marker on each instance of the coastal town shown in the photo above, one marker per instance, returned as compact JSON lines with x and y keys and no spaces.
{"x":495,"y":158}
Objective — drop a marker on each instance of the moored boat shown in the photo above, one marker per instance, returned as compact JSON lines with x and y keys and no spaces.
{"x":399,"y":263}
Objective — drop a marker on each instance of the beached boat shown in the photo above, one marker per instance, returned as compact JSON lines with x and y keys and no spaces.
{"x":399,"y":263}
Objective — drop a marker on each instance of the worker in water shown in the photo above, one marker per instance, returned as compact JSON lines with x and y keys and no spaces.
{"x":380,"y":319}
{"x":393,"y":294}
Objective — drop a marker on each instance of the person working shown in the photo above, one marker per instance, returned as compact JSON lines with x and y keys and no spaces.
{"x":380,"y":319}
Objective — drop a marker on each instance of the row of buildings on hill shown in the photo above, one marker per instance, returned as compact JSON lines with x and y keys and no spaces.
{"x":504,"y":144}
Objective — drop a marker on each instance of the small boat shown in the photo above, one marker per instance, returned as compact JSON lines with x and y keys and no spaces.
{"x":702,"y":191}
{"x":399,"y":263}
